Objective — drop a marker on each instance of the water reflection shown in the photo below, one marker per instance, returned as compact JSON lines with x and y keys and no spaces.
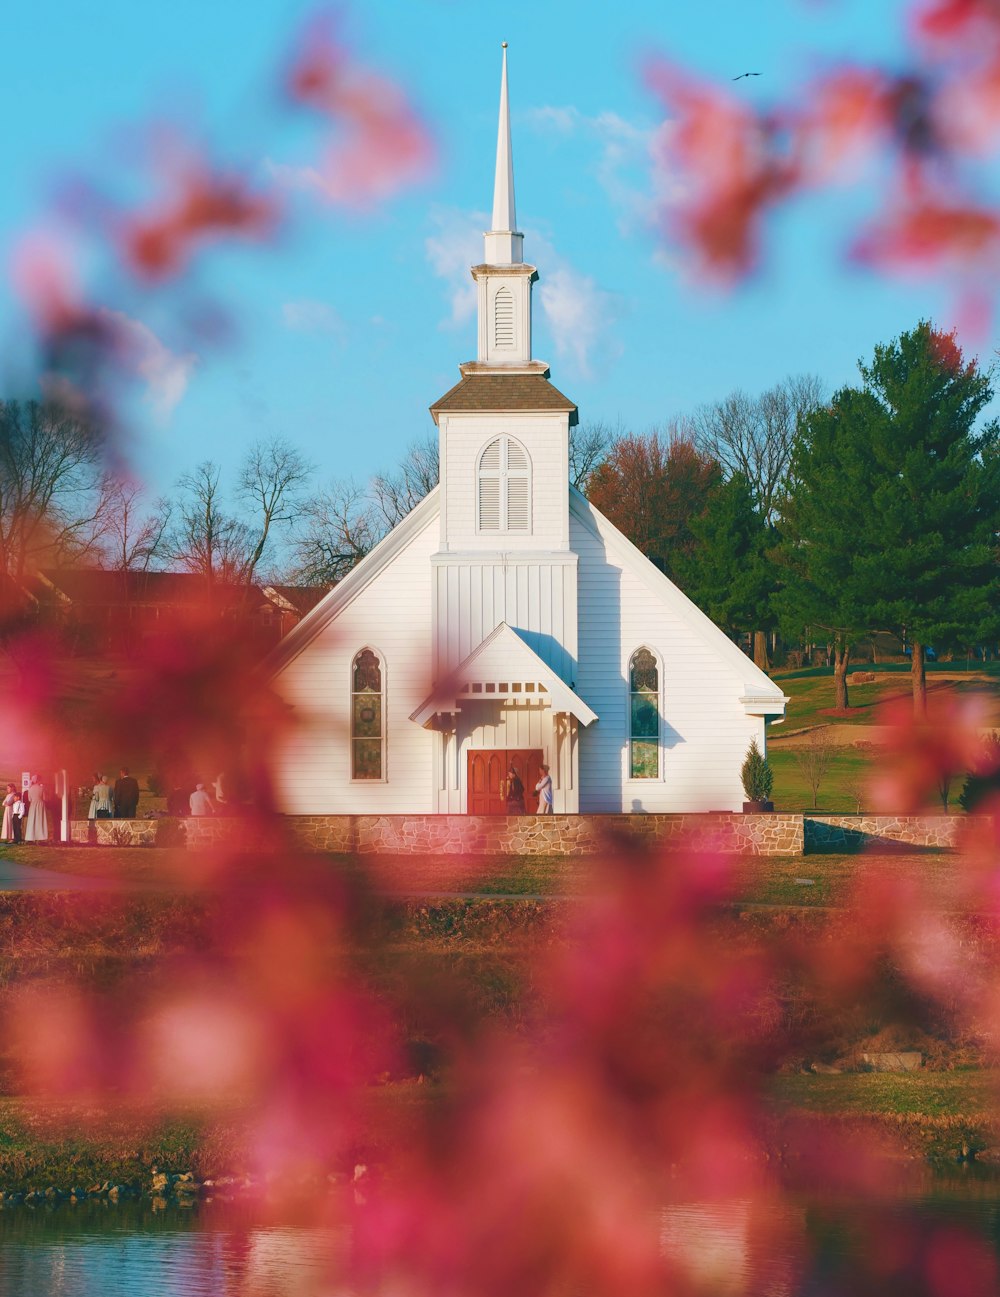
{"x":737,"y":1247}
{"x":96,"y":1251}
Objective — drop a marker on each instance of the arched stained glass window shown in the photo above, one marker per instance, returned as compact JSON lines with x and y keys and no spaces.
{"x":367,"y":717}
{"x":503,"y":487}
{"x":644,"y":715}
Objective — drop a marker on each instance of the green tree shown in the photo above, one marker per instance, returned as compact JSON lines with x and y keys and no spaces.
{"x":891,"y":512}
{"x":728,"y":573}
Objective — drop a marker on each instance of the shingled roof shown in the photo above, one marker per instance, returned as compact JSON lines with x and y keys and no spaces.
{"x":490,"y":393}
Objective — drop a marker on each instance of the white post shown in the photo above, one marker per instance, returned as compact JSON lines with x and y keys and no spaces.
{"x":62,"y":788}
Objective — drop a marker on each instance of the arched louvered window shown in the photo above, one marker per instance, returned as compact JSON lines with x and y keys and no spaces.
{"x":503,"y":487}
{"x":367,"y":717}
{"x":503,"y":318}
{"x":644,"y":715}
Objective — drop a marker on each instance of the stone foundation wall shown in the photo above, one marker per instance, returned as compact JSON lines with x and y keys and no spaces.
{"x":538,"y":835}
{"x":527,"y":835}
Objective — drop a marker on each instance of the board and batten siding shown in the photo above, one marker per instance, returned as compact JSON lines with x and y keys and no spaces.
{"x":704,"y":731}
{"x":391,"y":615}
{"x":535,"y":594}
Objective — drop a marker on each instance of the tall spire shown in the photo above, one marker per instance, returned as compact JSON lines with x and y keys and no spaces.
{"x":503,"y":243}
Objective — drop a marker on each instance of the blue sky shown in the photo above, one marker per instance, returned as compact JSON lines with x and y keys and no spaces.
{"x":345,"y":331}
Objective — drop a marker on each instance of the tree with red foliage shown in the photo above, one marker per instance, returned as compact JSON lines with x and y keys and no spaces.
{"x":651,"y":487}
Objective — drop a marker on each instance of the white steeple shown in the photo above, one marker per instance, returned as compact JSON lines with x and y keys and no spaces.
{"x":503,"y":243}
{"x":503,"y":280}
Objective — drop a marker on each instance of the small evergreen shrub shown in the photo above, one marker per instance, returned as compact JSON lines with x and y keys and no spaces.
{"x":984,"y":780}
{"x":757,"y":775}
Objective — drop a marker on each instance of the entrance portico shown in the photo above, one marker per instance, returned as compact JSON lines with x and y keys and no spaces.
{"x":503,"y":698}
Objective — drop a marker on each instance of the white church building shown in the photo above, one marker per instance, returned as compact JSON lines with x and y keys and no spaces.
{"x":506,"y":623}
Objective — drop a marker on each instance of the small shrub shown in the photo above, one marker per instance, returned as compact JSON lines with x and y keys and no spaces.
{"x":757,"y":775}
{"x":984,"y":780}
{"x":120,"y":836}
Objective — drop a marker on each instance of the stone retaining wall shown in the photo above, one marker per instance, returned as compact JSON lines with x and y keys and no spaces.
{"x":164,"y":832}
{"x":858,"y":832}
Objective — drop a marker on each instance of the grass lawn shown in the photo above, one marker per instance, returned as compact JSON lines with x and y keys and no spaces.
{"x":849,"y":769}
{"x":800,"y":881}
{"x":811,"y":695}
{"x":937,"y":1115}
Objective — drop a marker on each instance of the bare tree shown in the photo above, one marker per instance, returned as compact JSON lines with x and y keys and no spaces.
{"x":589,"y":444}
{"x":134,"y":534}
{"x":271,"y":478}
{"x":814,"y":759}
{"x":397,"y":493}
{"x":205,"y":539}
{"x":52,"y":508}
{"x":753,"y":435}
{"x":338,"y":528}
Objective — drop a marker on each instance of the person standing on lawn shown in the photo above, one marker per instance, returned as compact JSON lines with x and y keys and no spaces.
{"x":36,"y":822}
{"x":126,"y":796}
{"x":7,"y":830}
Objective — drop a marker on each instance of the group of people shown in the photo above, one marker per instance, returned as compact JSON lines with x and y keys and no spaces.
{"x":515,"y":793}
{"x":118,"y":803}
{"x":25,"y":815}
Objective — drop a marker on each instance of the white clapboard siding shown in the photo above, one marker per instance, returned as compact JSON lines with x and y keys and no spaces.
{"x":392,"y":615}
{"x":704,"y":731}
{"x":541,"y":505}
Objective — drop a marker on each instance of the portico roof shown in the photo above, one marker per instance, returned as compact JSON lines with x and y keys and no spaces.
{"x":503,"y":669}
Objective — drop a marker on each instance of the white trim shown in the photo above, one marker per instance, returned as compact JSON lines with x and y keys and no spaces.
{"x":384,"y":707}
{"x":354,"y":584}
{"x":523,"y":660}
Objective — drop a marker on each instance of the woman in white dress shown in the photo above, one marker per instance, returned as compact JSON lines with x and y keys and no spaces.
{"x":7,"y":829}
{"x":36,"y":822}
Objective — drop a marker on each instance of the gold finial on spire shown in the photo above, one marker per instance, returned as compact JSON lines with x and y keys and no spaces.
{"x":504,"y":44}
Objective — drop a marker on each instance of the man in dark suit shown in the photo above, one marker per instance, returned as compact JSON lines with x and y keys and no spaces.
{"x":126,"y":796}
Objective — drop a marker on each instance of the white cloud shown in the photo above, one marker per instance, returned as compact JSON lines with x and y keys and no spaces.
{"x":580,"y":315}
{"x":629,"y":163}
{"x":309,"y":316}
{"x":165,"y":373}
{"x":455,"y":245}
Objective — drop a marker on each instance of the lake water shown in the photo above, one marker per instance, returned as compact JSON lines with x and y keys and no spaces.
{"x":737,"y":1248}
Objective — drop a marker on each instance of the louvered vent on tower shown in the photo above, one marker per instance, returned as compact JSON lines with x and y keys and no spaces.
{"x":503,"y":319}
{"x":489,"y":487}
{"x":517,"y":503}
{"x":504,"y":487}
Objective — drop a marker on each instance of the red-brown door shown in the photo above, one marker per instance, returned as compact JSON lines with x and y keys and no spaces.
{"x":488,"y":778}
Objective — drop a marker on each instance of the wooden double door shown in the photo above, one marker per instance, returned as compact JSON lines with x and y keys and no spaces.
{"x":488,"y":778}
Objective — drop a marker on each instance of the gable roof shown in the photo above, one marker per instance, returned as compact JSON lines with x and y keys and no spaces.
{"x":761,"y":696}
{"x":502,"y":668}
{"x":502,"y":393}
{"x":99,"y":587}
{"x":357,"y":580}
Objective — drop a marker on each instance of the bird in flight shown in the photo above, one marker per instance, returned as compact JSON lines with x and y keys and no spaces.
{"x":747,"y":74}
